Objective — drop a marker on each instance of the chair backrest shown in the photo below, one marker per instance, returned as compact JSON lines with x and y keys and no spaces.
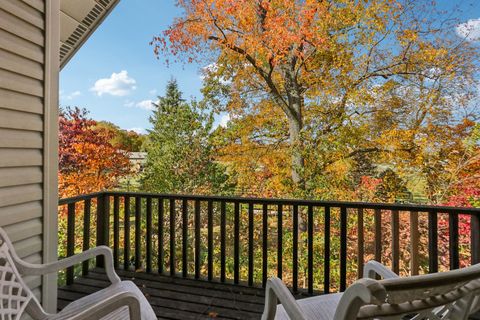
{"x":15,"y":296}
{"x":444,"y":295}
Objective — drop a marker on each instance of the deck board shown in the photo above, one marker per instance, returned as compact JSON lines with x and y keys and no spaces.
{"x":177,"y":298}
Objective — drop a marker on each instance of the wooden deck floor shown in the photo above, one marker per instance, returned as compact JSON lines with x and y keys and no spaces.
{"x":177,"y":298}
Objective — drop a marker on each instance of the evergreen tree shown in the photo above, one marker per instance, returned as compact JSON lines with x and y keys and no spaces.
{"x":180,"y":154}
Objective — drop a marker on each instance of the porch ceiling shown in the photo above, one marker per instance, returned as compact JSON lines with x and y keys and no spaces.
{"x":78,"y":20}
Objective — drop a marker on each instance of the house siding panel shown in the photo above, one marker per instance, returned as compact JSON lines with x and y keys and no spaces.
{"x":23,"y":65}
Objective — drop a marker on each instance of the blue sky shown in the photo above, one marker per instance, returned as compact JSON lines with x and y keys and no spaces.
{"x":121,"y":46}
{"x":115,"y":74}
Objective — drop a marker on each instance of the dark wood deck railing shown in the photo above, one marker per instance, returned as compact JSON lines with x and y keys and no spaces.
{"x":230,"y":239}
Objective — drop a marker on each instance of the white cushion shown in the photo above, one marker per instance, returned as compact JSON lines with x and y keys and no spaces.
{"x":120,"y":314}
{"x":319,"y":307}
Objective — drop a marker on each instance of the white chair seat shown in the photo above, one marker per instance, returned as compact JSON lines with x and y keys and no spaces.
{"x":445,"y":295}
{"x":120,"y":314}
{"x":321,"y":307}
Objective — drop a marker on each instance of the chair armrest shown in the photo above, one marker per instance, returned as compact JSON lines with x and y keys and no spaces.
{"x":109,"y":305}
{"x":276,"y":289}
{"x":372,"y":268}
{"x":41,"y":269}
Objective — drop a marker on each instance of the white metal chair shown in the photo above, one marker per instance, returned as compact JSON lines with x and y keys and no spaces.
{"x":121,"y":300}
{"x":438,"y":296}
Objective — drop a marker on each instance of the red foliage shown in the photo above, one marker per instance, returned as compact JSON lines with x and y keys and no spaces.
{"x":87,"y":160}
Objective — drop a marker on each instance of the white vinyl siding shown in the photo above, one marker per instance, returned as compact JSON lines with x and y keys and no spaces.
{"x":22,"y":109}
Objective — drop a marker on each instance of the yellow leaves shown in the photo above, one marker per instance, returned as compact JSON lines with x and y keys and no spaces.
{"x":410,"y":35}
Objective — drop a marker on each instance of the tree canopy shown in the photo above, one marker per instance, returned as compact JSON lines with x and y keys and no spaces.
{"x":322,"y":82}
{"x":180,"y":154}
{"x":88,"y":162}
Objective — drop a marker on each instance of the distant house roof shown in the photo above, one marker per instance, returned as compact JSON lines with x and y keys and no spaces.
{"x":78,"y":20}
{"x":137,"y":155}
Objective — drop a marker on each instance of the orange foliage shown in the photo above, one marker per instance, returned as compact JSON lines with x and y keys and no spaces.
{"x":88,"y":162}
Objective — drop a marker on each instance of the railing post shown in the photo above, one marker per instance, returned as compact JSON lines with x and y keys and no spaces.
{"x":138,"y":233}
{"x":86,"y":233}
{"x":343,"y":248}
{"x":414,"y":243}
{"x":432,"y":241}
{"x":326,"y":248}
{"x":360,"y":243}
{"x":310,"y":250}
{"x":103,"y":210}
{"x":148,"y":245}
{"x":295,"y":249}
{"x":378,"y":234}
{"x":116,"y":230}
{"x":475,"y":238}
{"x":236,"y":243}
{"x":70,"y":240}
{"x":395,"y":224}
{"x":210,"y":239}
{"x":453,"y":241}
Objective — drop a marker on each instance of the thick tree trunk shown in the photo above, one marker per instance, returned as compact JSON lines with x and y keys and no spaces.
{"x":295,"y":126}
{"x":295,"y":121}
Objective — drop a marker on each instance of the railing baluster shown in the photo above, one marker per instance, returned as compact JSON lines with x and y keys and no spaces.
{"x":264,"y":244}
{"x":295,"y":248}
{"x":475,"y":238}
{"x":378,"y":234}
{"x":161,"y":251}
{"x":197,"y":239}
{"x":250,"y":244}
{"x":138,"y":233}
{"x":310,"y":249}
{"x":414,"y":243}
{"x":210,"y":239}
{"x":70,"y":240}
{"x":236,"y":243}
{"x":360,"y":243}
{"x":126,"y":238}
{"x":453,"y":241}
{"x":326,"y":260}
{"x":279,"y":241}
{"x":116,"y":230}
{"x":223,"y":226}
{"x":86,"y":233}
{"x":432,"y":241}
{"x":103,"y":215}
{"x":395,"y":241}
{"x":184,"y":238}
{"x":343,"y":248}
{"x":172,"y":237}
{"x":148,"y":221}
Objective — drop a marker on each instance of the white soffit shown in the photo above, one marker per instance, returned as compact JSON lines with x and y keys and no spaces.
{"x":78,"y":20}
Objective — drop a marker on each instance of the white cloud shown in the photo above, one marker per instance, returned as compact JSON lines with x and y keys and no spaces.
{"x":469,"y":30}
{"x":119,"y":84}
{"x":71,"y":96}
{"x":145,"y":104}
{"x":153,"y":92}
{"x":224,"y":120}
{"x":138,"y":130}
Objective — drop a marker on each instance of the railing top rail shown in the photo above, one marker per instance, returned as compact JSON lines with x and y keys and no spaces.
{"x":273,"y":201}
{"x":79,"y":198}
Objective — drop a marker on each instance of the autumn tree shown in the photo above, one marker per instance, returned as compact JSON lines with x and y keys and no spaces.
{"x":87,"y":160}
{"x":127,"y":140}
{"x":180,"y":155}
{"x":324,"y":64}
